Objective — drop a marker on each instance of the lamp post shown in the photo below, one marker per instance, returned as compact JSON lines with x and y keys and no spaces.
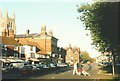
{"x":5,"y":52}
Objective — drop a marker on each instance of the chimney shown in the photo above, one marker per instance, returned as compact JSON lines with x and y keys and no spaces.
{"x":27,"y":32}
{"x":51,"y":33}
{"x":43,"y":30}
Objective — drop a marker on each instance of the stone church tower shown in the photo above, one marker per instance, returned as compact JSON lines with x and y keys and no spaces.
{"x":7,"y":25}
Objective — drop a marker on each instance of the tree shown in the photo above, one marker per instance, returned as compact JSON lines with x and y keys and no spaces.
{"x":85,"y":56}
{"x":101,"y":18}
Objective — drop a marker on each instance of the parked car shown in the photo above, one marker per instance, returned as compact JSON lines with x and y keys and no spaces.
{"x":62,"y":65}
{"x":104,"y":64}
{"x":51,"y":65}
{"x":42,"y":66}
{"x":39,"y":66}
{"x":26,"y":69}
{"x":45,"y":66}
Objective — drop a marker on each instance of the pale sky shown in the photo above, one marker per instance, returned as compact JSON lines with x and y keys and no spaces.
{"x":59,"y":16}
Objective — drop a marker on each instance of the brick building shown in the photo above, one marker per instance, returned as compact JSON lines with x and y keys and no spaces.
{"x":72,"y":54}
{"x":46,"y":41}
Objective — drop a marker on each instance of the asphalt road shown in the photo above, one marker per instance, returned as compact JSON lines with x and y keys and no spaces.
{"x":61,"y":73}
{"x":64,"y":73}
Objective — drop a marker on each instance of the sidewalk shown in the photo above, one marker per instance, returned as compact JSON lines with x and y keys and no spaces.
{"x":107,"y":73}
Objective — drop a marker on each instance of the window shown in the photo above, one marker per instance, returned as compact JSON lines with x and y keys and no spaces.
{"x":3,"y":47}
{"x":32,"y":55}
{"x":15,"y":48}
{"x":31,"y":48}
{"x":11,"y":24}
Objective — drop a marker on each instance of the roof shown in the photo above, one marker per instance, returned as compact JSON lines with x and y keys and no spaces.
{"x":24,"y":41}
{"x":24,"y":35}
{"x":30,"y":42}
{"x":32,"y":35}
{"x":73,"y":49}
{"x":42,"y":52}
{"x":9,"y":41}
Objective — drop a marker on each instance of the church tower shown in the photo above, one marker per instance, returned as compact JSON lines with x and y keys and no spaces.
{"x":7,"y":24}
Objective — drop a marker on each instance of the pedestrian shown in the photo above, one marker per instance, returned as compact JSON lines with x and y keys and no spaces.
{"x":84,"y":72}
{"x":79,"y":68}
{"x":75,"y":71}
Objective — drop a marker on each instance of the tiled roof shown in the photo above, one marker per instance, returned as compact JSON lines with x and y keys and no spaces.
{"x":42,"y":52}
{"x":24,"y":41}
{"x":73,"y":49}
{"x":24,"y":35}
{"x":9,"y":41}
{"x":30,"y":42}
{"x":32,"y":35}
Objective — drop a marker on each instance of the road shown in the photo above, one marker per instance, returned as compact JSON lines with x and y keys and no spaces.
{"x":62,"y":73}
{"x":94,"y":71}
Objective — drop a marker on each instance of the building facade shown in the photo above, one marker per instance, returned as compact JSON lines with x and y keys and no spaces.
{"x":7,"y":25}
{"x":46,"y":41}
{"x":44,"y":44}
{"x":72,"y":54}
{"x":61,"y":55}
{"x":7,"y":34}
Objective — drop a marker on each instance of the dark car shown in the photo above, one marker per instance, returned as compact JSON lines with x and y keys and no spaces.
{"x":26,"y":69}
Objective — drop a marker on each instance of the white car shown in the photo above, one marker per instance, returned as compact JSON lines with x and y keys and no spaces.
{"x":51,"y":65}
{"x":61,"y":65}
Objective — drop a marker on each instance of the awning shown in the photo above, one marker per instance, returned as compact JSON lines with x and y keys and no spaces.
{"x":4,"y":60}
{"x":33,"y":59}
{"x":15,"y":60}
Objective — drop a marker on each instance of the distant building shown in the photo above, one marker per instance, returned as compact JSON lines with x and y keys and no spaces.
{"x":105,"y":57}
{"x":61,"y":55}
{"x":7,"y":25}
{"x":72,"y":54}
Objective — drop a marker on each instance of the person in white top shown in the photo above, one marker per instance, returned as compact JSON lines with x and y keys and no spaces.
{"x":84,"y":72}
{"x":75,"y":68}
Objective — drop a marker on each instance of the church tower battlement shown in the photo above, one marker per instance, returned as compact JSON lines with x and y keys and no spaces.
{"x":7,"y":23}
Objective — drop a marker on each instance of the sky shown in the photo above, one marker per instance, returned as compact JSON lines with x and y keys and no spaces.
{"x":60,"y":16}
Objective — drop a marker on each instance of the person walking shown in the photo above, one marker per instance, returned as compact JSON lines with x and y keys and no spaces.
{"x":75,"y":71}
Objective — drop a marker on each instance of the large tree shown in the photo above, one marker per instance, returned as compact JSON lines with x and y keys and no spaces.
{"x":101,"y":18}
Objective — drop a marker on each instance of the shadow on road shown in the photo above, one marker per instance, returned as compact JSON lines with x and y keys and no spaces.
{"x":17,"y":75}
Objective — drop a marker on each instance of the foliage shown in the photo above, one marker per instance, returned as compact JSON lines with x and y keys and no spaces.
{"x":85,"y":56}
{"x":101,"y":19}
